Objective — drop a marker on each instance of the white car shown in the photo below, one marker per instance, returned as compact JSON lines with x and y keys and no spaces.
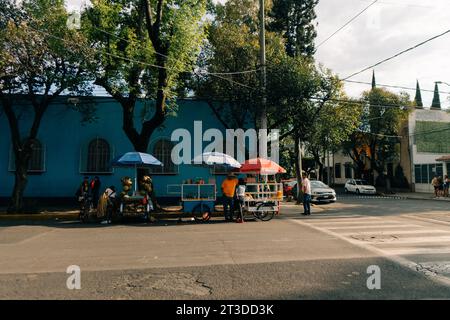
{"x":320,"y":192}
{"x":359,"y":186}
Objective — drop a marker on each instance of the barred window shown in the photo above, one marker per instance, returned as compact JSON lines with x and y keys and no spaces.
{"x":37,"y":159}
{"x":162,"y":151}
{"x":98,"y":156}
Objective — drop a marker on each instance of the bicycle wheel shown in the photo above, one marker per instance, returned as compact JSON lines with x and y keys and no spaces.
{"x":201,"y":212}
{"x":264,"y":211}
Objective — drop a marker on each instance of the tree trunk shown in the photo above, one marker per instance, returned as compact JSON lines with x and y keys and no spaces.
{"x":298,"y":168}
{"x":21,"y":179}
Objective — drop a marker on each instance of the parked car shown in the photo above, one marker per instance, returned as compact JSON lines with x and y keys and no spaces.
{"x":320,"y":192}
{"x":359,"y":186}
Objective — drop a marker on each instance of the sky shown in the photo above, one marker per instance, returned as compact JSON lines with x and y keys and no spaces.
{"x":386,"y":28}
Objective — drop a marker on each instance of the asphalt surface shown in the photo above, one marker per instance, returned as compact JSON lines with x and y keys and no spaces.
{"x":322,"y":256}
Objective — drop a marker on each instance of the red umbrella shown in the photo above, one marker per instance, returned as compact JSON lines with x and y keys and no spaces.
{"x":261,"y":166}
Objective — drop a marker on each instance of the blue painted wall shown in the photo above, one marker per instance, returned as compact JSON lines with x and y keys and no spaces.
{"x":63,"y":135}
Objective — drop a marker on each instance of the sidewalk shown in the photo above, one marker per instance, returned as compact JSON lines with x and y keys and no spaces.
{"x":416,"y":196}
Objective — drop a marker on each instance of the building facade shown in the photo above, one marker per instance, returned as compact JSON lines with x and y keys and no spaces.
{"x":429,"y":146}
{"x":68,"y":149}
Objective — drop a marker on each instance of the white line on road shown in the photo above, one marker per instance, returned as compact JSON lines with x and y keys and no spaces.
{"x":393,"y":232}
{"x":392,"y":256}
{"x":379,"y":226}
{"x":415,"y":240}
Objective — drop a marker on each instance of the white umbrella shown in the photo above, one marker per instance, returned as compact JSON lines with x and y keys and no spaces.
{"x":213,"y":158}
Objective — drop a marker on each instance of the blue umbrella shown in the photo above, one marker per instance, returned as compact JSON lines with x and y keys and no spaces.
{"x":136,"y":160}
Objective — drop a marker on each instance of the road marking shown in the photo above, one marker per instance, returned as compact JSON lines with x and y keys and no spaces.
{"x":415,"y":240}
{"x":392,"y":254}
{"x":415,"y":251}
{"x":427,"y":219}
{"x":379,"y":226}
{"x":339,"y":221}
{"x":391,"y":232}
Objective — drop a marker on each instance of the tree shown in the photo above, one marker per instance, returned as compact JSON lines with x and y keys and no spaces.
{"x":336,"y":121}
{"x":356,"y":148}
{"x":233,"y":45}
{"x":143,"y":47}
{"x":295,"y":20}
{"x":436,"y":103}
{"x":385,"y":112}
{"x":39,"y":60}
{"x":418,"y":96}
{"x":297,"y":92}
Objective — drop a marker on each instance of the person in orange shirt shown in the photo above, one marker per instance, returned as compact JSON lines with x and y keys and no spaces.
{"x":228,"y":191}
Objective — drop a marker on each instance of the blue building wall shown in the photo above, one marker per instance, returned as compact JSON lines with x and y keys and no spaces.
{"x":64,"y":135}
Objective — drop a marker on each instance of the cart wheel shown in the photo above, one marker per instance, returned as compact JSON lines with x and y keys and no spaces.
{"x":201,"y":213}
{"x":262,"y":212}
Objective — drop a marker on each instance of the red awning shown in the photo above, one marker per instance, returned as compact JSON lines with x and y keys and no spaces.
{"x":443,"y":158}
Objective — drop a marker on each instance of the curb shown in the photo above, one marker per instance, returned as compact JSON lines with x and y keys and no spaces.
{"x":416,"y":198}
{"x":38,"y":216}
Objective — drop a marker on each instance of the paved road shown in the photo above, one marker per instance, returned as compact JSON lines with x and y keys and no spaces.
{"x":323,"y":256}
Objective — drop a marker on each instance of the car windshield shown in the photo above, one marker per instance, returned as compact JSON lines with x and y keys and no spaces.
{"x":318,"y":184}
{"x":361,"y":182}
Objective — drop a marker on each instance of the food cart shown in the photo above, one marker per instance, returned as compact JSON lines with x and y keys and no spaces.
{"x":263,"y":200}
{"x":199,"y":200}
{"x":262,"y":197}
{"x":137,"y":204}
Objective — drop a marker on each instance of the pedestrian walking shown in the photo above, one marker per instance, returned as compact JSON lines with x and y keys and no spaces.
{"x":306,"y":189}
{"x":228,"y":192}
{"x":435,"y":184}
{"x":240,"y":194}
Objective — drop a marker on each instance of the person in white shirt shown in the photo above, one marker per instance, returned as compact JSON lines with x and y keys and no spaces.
{"x":306,"y":189}
{"x":240,"y":194}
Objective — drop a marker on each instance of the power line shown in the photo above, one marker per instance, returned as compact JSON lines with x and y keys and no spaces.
{"x":163,"y":55}
{"x":347,"y":23}
{"x":394,"y":86}
{"x":398,"y":54}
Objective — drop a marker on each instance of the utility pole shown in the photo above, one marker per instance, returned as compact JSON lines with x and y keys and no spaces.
{"x":262,"y":57}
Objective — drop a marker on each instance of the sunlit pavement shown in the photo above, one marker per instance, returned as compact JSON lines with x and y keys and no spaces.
{"x":322,"y":256}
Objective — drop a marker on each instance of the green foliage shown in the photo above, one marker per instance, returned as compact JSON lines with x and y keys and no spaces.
{"x":295,"y":20}
{"x":436,"y":103}
{"x":38,"y":54}
{"x":127,"y":58}
{"x":233,"y":45}
{"x":383,"y":117}
{"x":433,"y":137}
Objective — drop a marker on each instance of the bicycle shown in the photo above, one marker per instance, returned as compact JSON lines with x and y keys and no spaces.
{"x":263,"y":210}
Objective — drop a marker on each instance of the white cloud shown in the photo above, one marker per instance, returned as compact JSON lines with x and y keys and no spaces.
{"x":382,"y":31}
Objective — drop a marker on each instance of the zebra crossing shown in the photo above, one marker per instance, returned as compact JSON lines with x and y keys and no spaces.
{"x":412,"y":243}
{"x":354,"y":196}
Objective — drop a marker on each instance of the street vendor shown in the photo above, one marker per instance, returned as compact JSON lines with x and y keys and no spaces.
{"x":145,"y":186}
{"x":228,"y":191}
